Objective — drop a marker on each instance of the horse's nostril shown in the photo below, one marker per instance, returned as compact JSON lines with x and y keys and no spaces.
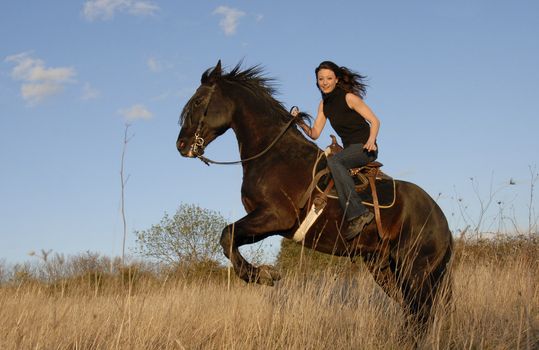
{"x":180,"y":145}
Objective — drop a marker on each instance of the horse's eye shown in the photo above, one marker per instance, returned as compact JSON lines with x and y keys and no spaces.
{"x":198,"y":101}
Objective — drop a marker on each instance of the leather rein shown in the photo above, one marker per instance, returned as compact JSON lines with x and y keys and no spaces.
{"x":198,"y":143}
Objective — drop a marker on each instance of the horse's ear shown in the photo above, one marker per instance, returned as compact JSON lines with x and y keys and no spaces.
{"x":211,"y":77}
{"x":217,"y":70}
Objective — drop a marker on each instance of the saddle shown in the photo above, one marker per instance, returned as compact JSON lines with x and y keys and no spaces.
{"x":365,"y":177}
{"x":369,"y":170}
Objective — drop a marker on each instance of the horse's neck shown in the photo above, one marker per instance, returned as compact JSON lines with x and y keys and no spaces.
{"x":255,"y":133}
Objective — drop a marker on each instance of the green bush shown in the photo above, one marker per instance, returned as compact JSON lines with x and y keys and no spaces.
{"x":190,"y":236}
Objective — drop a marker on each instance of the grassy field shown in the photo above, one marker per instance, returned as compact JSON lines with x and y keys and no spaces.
{"x":495,"y":290}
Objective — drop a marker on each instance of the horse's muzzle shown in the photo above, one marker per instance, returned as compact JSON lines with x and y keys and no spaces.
{"x":184,"y":148}
{"x":190,"y":149}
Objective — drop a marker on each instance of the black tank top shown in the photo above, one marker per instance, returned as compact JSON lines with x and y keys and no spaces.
{"x":349,"y":124}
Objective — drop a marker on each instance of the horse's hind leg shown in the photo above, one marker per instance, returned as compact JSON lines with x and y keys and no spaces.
{"x":421,"y":291}
{"x":418,"y":300}
{"x":384,"y":276}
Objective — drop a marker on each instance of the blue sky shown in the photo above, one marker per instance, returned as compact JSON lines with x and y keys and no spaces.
{"x":454,"y":84}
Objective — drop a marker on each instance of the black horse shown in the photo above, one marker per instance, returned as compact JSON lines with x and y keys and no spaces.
{"x":280,"y":172}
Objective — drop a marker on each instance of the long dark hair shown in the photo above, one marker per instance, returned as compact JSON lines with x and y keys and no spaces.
{"x":349,"y":80}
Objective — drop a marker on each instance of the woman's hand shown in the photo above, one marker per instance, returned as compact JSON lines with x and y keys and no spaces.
{"x":370,"y":145}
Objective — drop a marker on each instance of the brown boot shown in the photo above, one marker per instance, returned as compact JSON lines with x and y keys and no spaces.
{"x":355,"y":226}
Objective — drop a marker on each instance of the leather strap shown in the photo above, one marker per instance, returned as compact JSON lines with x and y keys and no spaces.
{"x":372,"y":181}
{"x":383,"y":261}
{"x":321,"y":199}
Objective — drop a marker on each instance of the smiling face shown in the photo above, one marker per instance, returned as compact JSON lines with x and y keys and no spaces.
{"x":326,"y":80}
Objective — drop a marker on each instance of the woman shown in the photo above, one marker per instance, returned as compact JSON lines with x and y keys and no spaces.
{"x":342,"y":92}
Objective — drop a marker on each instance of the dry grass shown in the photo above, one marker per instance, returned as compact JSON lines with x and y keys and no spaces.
{"x":496,"y":306}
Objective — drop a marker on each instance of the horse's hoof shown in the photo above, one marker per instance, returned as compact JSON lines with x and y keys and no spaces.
{"x":267,"y":275}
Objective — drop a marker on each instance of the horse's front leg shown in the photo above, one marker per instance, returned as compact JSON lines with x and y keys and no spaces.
{"x":252,"y":228}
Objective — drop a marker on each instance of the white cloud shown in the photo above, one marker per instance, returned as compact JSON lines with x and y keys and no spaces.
{"x":89,"y":92}
{"x":50,"y":74}
{"x":136,"y":112}
{"x":230,"y":19}
{"x":154,"y":65}
{"x":38,"y":81}
{"x":105,"y":9}
{"x":35,"y":93}
{"x":143,"y":8}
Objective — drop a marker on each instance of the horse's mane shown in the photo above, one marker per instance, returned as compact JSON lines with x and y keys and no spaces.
{"x":256,"y":83}
{"x":258,"y":86}
{"x":252,"y":78}
{"x":263,"y":87}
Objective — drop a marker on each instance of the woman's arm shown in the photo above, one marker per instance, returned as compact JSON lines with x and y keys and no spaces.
{"x":358,"y":105}
{"x":318,"y":125}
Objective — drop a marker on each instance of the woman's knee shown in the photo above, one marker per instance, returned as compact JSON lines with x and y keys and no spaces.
{"x":333,"y":162}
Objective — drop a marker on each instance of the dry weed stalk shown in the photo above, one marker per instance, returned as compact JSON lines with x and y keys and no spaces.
{"x":496,"y":305}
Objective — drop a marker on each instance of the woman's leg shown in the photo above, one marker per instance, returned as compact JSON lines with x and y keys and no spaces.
{"x":353,"y":156}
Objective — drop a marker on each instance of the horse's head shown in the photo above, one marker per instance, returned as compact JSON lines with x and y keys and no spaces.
{"x":207,"y":115}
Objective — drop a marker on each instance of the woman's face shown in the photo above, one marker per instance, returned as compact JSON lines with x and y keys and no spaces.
{"x":326,"y":80}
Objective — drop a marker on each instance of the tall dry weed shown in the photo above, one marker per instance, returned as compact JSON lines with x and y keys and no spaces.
{"x":495,"y":306}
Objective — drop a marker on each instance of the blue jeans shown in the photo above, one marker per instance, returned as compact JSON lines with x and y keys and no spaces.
{"x":353,"y":156}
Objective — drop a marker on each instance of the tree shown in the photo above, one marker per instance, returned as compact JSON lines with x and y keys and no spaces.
{"x":124,"y":182}
{"x":189,"y":237}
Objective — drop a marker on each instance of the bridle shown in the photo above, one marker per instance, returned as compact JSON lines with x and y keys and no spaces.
{"x":198,"y":143}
